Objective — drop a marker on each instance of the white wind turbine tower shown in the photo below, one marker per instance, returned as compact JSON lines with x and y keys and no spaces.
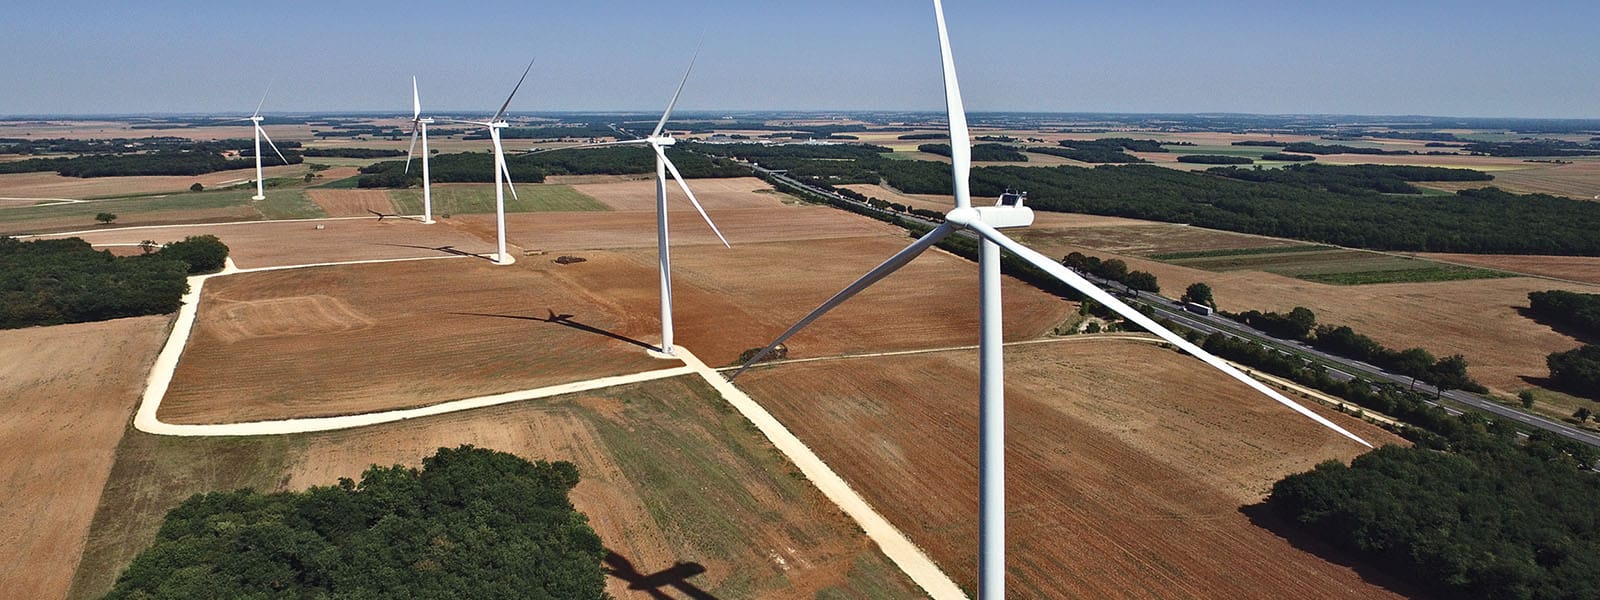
{"x":986,"y":222}
{"x":255,"y":120}
{"x":420,"y":125}
{"x":501,"y":173}
{"x":659,"y":143}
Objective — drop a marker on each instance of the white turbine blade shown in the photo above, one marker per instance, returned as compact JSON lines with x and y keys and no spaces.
{"x":269,"y":143}
{"x":466,"y":122}
{"x":506,"y":171}
{"x":1098,"y":295}
{"x":263,"y":101}
{"x":673,"y":169}
{"x":415,"y":129}
{"x":877,"y":273}
{"x":960,"y":145}
{"x":664,"y":116}
{"x":503,"y":107}
{"x":416,"y":101}
{"x":582,"y":146}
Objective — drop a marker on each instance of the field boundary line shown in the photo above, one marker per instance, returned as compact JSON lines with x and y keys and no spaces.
{"x":900,"y":549}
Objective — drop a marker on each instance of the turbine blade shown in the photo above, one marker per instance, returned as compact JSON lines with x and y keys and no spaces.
{"x":877,"y":273}
{"x":960,"y":144}
{"x":582,"y":146}
{"x":673,"y":169}
{"x":415,"y":129}
{"x":416,"y":101}
{"x":664,"y":116}
{"x":503,"y":107}
{"x":269,"y":143}
{"x":1098,"y":295}
{"x":263,"y":101}
{"x":506,"y":171}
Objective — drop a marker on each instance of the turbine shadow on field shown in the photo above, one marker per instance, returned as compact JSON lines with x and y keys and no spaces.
{"x":1261,"y":516}
{"x":675,"y":576}
{"x":566,"y":320}
{"x":452,"y":250}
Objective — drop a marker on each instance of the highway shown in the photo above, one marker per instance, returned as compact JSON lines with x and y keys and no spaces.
{"x":1341,"y":368}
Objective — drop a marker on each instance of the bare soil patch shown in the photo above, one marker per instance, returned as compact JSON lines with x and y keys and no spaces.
{"x":68,"y":392}
{"x":362,"y":338}
{"x":352,"y":203}
{"x":1127,"y":467}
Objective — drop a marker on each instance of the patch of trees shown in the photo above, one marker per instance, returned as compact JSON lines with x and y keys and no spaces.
{"x":50,"y":282}
{"x":1449,"y":372}
{"x":471,"y":523}
{"x":1092,"y":154}
{"x":352,"y":152}
{"x":1354,"y":179}
{"x":1533,"y":148}
{"x":1279,"y":156}
{"x":1313,"y":148}
{"x":990,"y":152}
{"x":763,"y":152}
{"x":1489,"y":519}
{"x":1577,"y":370}
{"x":924,"y":136}
{"x":128,"y":165}
{"x":1215,"y":159}
{"x":478,"y":167}
{"x":995,"y":138}
{"x":1262,"y":143}
{"x":1113,"y":269}
{"x":1572,"y":311}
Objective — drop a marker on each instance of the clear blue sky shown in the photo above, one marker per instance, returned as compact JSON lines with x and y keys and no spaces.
{"x":1463,"y":58}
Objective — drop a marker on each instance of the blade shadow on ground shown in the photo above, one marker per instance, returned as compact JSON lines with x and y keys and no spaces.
{"x":566,"y":321}
{"x":451,"y":250}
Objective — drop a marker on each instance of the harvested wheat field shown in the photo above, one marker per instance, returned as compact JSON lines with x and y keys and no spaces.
{"x":1585,"y":269}
{"x":281,"y":243}
{"x":352,"y":203}
{"x":713,"y":194}
{"x":1129,"y":467}
{"x":1478,"y":318}
{"x":690,"y":500}
{"x":51,"y":185}
{"x":1578,"y":179}
{"x":361,"y":338}
{"x":68,"y":391}
{"x":1140,"y":238}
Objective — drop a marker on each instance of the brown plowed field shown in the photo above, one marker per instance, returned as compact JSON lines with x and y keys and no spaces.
{"x":1477,"y":318}
{"x":1575,"y":268}
{"x":1128,"y":467}
{"x":361,"y":338}
{"x":67,"y":393}
{"x":279,"y":243}
{"x":713,"y":194}
{"x":352,"y":203}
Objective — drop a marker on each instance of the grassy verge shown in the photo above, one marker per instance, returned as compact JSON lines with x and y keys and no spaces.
{"x":150,"y":476}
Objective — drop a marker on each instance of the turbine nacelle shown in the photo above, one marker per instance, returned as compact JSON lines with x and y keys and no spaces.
{"x":661,"y":140}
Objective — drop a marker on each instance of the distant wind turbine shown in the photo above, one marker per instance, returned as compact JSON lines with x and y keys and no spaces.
{"x":659,"y":143}
{"x":255,"y":120}
{"x":501,"y":172}
{"x":986,"y":222}
{"x":420,"y":125}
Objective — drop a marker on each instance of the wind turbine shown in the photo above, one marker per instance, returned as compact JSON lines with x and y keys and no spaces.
{"x":501,"y":172}
{"x":664,"y":166}
{"x":420,"y":125}
{"x":255,"y":120}
{"x":986,"y":222}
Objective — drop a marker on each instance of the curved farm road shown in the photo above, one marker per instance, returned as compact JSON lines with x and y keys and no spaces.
{"x":894,"y":544}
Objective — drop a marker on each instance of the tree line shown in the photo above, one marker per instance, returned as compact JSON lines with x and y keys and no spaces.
{"x":471,"y":523}
{"x":51,"y":282}
{"x":985,"y":151}
{"x":478,"y":167}
{"x":1577,"y":370}
{"x":1215,"y":159}
{"x":1113,"y":269}
{"x":1353,"y":179}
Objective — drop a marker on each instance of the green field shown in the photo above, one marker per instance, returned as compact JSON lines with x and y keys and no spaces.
{"x":280,"y":204}
{"x":479,"y":198}
{"x":1324,"y":264}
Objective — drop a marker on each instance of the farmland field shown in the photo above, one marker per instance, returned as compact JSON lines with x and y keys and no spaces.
{"x":51,"y":185}
{"x":186,"y":207}
{"x":271,"y":244}
{"x":1333,"y":265}
{"x":1128,"y":465}
{"x":468,"y":198}
{"x":650,"y":456}
{"x":1584,"y":269}
{"x":68,"y":392}
{"x":352,"y":203}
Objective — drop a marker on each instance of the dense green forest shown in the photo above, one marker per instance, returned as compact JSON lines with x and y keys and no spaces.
{"x":352,"y":152}
{"x":1312,"y":148}
{"x":478,"y":167}
{"x":1571,"y":311}
{"x":472,"y":523}
{"x":924,"y":136}
{"x":1215,"y":159}
{"x":1279,"y":156}
{"x":1577,"y":370}
{"x":1489,"y":519}
{"x":986,"y":151}
{"x":50,"y":282}
{"x":164,"y":162}
{"x":1533,"y":148}
{"x":1089,"y":154}
{"x":1354,"y":179}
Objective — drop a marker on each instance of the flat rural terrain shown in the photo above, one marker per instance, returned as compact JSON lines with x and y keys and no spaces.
{"x":276,"y":244}
{"x":1584,"y":269}
{"x":688,"y":498}
{"x":1129,"y":467}
{"x":68,"y":392}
